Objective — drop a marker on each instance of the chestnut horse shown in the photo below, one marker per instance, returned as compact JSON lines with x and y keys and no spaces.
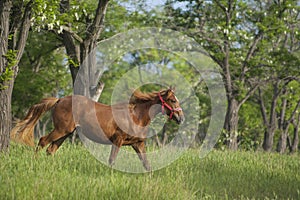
{"x":117,"y":125}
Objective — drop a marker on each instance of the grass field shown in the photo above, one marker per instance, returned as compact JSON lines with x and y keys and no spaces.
{"x":73,"y":173}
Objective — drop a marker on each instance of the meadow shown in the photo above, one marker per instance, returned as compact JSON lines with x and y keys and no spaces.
{"x":73,"y":173}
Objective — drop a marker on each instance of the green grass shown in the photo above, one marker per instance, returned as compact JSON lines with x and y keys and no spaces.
{"x":73,"y":173}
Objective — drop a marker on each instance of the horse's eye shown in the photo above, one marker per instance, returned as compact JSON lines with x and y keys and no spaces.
{"x":173,"y":101}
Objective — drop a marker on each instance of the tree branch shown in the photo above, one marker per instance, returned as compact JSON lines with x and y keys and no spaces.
{"x":294,"y":112}
{"x":203,"y":34}
{"x":250,"y":53}
{"x":222,"y":6}
{"x":95,"y":29}
{"x":262,"y":107}
{"x":73,"y":34}
{"x":195,"y":86}
{"x":24,"y":30}
{"x":248,"y":95}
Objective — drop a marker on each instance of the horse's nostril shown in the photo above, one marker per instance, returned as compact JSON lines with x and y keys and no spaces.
{"x":182,"y":118}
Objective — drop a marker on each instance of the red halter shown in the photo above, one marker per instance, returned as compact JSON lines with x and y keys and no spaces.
{"x":163,"y":104}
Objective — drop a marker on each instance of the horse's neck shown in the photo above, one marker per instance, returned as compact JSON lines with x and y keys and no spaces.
{"x":155,"y":107}
{"x":149,"y":109}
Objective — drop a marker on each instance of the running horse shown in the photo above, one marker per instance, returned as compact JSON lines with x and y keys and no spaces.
{"x":120,"y":124}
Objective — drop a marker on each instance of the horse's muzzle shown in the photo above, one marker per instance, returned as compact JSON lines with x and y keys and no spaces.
{"x":179,"y":118}
{"x":182,"y":118}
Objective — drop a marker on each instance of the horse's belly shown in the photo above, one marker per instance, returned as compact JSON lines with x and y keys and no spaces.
{"x":94,"y":133}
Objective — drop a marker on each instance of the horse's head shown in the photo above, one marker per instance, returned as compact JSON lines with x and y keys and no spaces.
{"x":170,"y":105}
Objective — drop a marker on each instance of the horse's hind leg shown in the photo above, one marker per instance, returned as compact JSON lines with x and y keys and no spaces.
{"x":116,"y":145}
{"x":47,"y":139}
{"x":141,"y":152}
{"x":113,"y":154}
{"x":43,"y":142}
{"x":56,"y":144}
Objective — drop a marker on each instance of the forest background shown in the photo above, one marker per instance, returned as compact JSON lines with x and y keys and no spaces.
{"x":254,"y":43}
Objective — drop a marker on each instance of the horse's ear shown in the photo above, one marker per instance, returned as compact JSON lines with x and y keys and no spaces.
{"x":172,"y":88}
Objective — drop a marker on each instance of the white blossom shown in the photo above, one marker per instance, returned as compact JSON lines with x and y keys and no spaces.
{"x":226,"y":31}
{"x":43,"y":17}
{"x":51,"y":25}
{"x":76,"y":16}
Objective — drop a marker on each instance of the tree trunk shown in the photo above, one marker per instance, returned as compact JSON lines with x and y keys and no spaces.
{"x":19,"y":35}
{"x":283,"y":125}
{"x":268,"y":140}
{"x":5,"y":92}
{"x":270,"y":132}
{"x":282,"y":142}
{"x":72,"y":52}
{"x":5,"y":116}
{"x":295,"y":143}
{"x":82,"y":52}
{"x":231,"y":124}
{"x":164,"y":135}
{"x":270,"y":124}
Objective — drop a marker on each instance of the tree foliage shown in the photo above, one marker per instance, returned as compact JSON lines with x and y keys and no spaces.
{"x":255,"y":43}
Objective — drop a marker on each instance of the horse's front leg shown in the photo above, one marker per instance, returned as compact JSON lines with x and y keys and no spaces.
{"x":141,"y":152}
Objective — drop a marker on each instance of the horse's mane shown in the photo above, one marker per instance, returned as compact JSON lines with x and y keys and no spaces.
{"x":141,"y":97}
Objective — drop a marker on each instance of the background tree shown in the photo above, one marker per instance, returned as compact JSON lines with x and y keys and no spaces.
{"x":280,"y":65}
{"x":236,"y":36}
{"x":15,"y":23}
{"x":78,"y":25}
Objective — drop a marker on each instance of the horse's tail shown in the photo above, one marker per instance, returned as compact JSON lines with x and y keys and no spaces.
{"x":23,"y":131}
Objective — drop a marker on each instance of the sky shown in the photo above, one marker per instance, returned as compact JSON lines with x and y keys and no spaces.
{"x":151,"y":4}
{"x":156,"y":2}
